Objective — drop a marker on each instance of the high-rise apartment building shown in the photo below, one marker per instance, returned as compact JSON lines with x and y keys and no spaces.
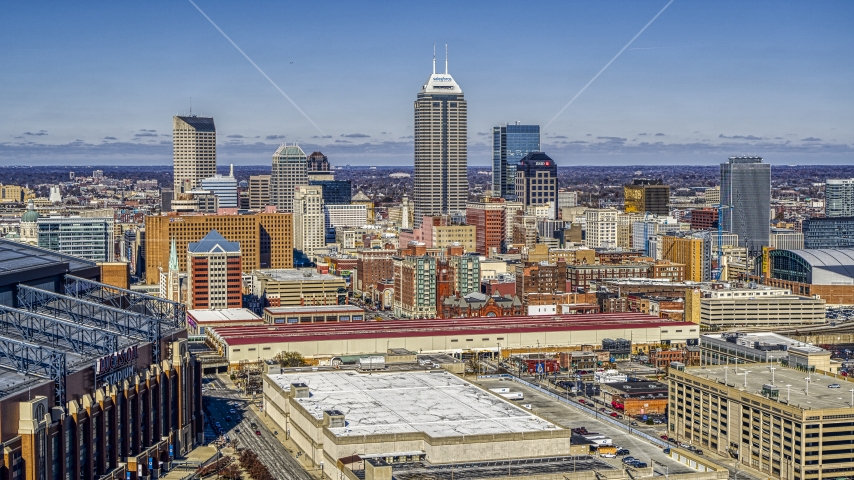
{"x":266,"y":239}
{"x":839,"y":198}
{"x":489,"y":218}
{"x":566,"y":198}
{"x":441,"y":155}
{"x":536,"y":182}
{"x":646,"y":195}
{"x":415,"y":284}
{"x":289,"y":170}
{"x":746,"y":196}
{"x":193,"y":151}
{"x":712,"y":196}
{"x":215,"y":273}
{"x":510,"y":144}
{"x":689,"y":251}
{"x":601,"y":228}
{"x":309,"y":231}
{"x":259,"y":191}
{"x":372,"y":266}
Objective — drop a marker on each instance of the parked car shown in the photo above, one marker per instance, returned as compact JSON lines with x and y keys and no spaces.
{"x":628,"y":460}
{"x":673,"y":441}
{"x":257,"y":432}
{"x":615,"y":414}
{"x":664,"y":437}
{"x":640,"y":465}
{"x":623,"y":451}
{"x":834,"y":385}
{"x":607,"y":455}
{"x":667,"y":450}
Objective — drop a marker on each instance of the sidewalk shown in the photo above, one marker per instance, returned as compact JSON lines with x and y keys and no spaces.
{"x":199,"y":454}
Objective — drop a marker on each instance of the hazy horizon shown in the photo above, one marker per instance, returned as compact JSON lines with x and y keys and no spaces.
{"x":704,"y":81}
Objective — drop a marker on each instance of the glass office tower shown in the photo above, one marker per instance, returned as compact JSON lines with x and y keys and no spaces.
{"x":510,"y":144}
{"x":746,"y":199}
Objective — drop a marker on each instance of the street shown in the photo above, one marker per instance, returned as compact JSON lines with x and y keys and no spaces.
{"x":267,"y":445}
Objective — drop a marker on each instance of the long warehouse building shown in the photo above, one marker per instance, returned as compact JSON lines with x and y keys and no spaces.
{"x":324,"y":341}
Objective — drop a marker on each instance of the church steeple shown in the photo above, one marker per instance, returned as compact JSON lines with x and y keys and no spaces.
{"x":173,"y":257}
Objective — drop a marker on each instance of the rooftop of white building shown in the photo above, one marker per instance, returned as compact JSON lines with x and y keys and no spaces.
{"x":438,"y":404}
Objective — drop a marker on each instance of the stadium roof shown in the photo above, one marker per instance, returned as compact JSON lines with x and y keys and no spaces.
{"x":19,"y":257}
{"x":830,"y":266}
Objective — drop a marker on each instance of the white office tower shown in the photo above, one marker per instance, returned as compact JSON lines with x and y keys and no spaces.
{"x":290,"y":169}
{"x":441,"y":184}
{"x":308,"y":219}
{"x":193,"y":151}
{"x":225,"y":189}
{"x":601,"y":228}
{"x":55,"y":196}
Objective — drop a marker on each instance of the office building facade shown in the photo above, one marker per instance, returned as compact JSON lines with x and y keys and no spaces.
{"x":646,"y":195}
{"x":839,"y":197}
{"x":193,"y":151}
{"x":89,"y":238}
{"x":830,"y":232}
{"x":510,"y":144}
{"x":318,"y":162}
{"x":224,"y":188}
{"x":601,"y":228}
{"x":259,"y":191}
{"x":335,"y":192}
{"x":536,"y":182}
{"x":266,"y":239}
{"x":441,"y":147}
{"x":289,"y":170}
{"x":746,"y":196}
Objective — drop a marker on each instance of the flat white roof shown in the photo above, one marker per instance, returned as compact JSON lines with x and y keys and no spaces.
{"x":438,"y":404}
{"x":223,"y":315}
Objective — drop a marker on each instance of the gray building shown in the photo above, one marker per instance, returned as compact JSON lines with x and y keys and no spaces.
{"x":290,"y":166}
{"x":89,"y":238}
{"x":510,"y":144}
{"x":193,"y":151}
{"x":746,"y":197}
{"x":830,"y":232}
{"x":839,"y":197}
{"x":441,"y":147}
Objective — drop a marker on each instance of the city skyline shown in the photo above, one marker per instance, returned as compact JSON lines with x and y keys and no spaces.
{"x":684,"y":92}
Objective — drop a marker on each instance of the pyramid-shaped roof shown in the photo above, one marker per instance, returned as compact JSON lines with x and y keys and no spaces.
{"x":213,"y":242}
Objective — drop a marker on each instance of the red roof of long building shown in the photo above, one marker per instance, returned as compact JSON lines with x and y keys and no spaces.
{"x":306,"y":332}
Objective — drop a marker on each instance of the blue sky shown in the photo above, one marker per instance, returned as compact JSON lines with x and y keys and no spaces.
{"x":98,"y":83}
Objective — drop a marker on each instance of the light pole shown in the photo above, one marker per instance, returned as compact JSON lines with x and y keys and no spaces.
{"x":852,"y":396}
{"x":772,"y":374}
{"x":788,"y":393}
{"x":808,"y":385}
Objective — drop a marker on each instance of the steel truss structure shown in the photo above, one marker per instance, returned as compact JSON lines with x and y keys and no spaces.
{"x":92,"y":314}
{"x":58,"y":333}
{"x":30,"y":359}
{"x":173,"y":313}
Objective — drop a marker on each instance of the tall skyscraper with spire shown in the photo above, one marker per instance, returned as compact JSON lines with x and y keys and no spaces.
{"x":193,"y":151}
{"x":441,"y":148}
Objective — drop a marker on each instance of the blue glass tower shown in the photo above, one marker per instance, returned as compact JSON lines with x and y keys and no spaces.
{"x":510,"y":144}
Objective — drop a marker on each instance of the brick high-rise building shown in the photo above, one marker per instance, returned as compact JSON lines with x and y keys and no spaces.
{"x":215,"y":273}
{"x":371,"y":267}
{"x":489,"y":218}
{"x":704,"y":219}
{"x":266,"y":239}
{"x":540,"y":278}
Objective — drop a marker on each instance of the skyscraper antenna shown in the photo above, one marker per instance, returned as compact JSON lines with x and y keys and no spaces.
{"x":434,"y":59}
{"x":446,"y":59}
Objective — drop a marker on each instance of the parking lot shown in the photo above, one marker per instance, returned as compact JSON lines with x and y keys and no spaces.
{"x":571,"y":417}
